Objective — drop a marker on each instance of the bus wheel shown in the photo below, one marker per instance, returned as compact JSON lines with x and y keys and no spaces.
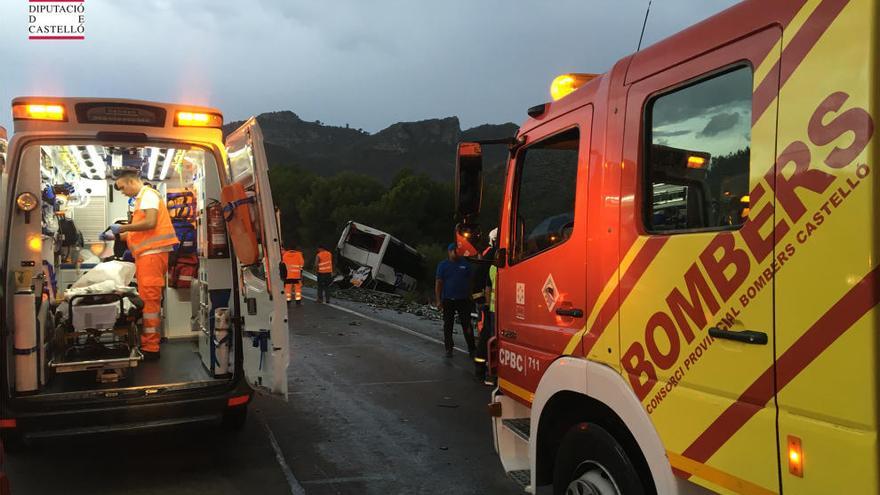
{"x":591,"y":462}
{"x":234,"y":419}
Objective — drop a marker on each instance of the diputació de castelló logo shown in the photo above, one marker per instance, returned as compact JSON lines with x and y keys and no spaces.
{"x":56,"y":19}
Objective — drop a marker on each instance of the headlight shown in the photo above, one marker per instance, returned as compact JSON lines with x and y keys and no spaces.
{"x":26,"y":201}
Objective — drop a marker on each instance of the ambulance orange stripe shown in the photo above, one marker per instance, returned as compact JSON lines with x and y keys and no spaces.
{"x":795,"y":53}
{"x":624,"y":286}
{"x":863,"y":297}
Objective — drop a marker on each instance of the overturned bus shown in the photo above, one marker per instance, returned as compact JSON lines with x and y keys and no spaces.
{"x":378,"y":260}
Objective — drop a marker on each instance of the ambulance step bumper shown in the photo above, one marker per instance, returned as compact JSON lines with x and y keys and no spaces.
{"x":522,"y":477}
{"x":521,"y":427}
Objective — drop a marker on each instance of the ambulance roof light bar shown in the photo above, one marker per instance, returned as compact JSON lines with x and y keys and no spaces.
{"x":198,"y":119}
{"x":39,"y":111}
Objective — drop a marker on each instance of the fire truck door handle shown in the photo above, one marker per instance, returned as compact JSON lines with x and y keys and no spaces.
{"x":744,"y":336}
{"x":570,"y":312}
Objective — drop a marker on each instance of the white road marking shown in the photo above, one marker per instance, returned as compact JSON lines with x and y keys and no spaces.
{"x":295,"y":487}
{"x":388,"y":323}
{"x":408,"y":382}
{"x":348,"y":479}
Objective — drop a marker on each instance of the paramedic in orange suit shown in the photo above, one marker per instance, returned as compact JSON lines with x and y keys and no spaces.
{"x":150,"y":237}
{"x":293,"y":262}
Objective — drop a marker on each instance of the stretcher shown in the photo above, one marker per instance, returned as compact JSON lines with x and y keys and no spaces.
{"x":99,"y":332}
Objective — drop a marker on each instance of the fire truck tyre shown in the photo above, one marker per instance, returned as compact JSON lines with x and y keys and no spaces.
{"x":591,"y":462}
{"x":234,"y":419}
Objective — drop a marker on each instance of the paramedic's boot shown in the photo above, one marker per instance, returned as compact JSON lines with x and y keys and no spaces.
{"x":150,"y":346}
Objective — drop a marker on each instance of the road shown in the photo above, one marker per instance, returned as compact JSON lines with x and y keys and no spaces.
{"x":373,"y":408}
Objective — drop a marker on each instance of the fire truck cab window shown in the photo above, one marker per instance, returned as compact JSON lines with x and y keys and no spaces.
{"x":547,"y":179}
{"x":697,"y":158}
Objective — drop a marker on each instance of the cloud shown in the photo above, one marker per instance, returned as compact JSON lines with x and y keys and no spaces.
{"x":719,"y":123}
{"x":369,"y":64}
{"x":679,"y":132}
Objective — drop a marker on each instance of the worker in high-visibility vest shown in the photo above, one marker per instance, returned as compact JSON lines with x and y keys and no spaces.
{"x":324,"y":267}
{"x":487,"y":330}
{"x":150,"y":237}
{"x":292,"y":262}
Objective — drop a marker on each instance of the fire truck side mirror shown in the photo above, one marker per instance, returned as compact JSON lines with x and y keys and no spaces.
{"x":468,"y":181}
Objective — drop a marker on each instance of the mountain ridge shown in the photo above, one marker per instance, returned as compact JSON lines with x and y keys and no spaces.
{"x":424,"y":146}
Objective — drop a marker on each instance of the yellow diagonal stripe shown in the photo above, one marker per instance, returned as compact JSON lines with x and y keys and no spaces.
{"x":716,"y":476}
{"x":516,"y":390}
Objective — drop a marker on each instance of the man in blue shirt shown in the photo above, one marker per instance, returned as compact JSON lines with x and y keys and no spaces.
{"x":453,"y":292}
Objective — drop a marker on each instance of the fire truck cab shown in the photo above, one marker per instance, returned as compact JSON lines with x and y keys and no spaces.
{"x":70,"y":361}
{"x":688,"y":264}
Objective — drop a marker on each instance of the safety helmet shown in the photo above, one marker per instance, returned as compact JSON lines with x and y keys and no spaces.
{"x":493,"y":236}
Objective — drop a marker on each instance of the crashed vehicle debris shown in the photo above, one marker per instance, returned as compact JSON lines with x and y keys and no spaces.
{"x":377,"y":260}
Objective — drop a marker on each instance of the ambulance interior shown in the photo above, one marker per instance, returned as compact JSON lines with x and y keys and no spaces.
{"x":88,"y":312}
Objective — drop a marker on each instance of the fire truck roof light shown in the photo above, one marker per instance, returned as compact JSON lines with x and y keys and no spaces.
{"x":696,"y":161}
{"x":566,"y":83}
{"x":38,"y":111}
{"x":199,"y":119}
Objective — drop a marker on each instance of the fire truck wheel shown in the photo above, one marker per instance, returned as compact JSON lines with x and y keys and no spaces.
{"x":591,"y":462}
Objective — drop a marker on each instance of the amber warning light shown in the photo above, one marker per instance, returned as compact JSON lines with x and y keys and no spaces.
{"x":38,"y":111}
{"x":696,"y":161}
{"x":795,"y":456}
{"x":565,"y":84}
{"x":199,"y":119}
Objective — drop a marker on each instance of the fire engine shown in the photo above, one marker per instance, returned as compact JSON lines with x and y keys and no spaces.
{"x":688,"y":263}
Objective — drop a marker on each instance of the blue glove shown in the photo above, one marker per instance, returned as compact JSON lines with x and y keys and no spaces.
{"x":107,"y":236}
{"x":115,"y":229}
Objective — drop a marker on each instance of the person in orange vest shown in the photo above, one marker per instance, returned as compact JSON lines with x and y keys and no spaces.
{"x":150,"y":237}
{"x":324,"y":267}
{"x":292,"y":263}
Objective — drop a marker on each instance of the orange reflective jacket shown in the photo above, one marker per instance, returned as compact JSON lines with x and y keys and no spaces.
{"x":325,"y":262}
{"x":294,"y":262}
{"x":162,"y":235}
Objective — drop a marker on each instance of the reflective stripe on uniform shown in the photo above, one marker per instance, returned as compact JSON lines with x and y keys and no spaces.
{"x":151,"y":316}
{"x":153,"y":239}
{"x":150,"y":330}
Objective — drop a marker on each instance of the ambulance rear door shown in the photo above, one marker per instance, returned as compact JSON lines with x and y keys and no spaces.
{"x":263,"y":308}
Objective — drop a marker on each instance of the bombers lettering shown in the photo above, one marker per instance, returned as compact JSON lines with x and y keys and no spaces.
{"x":726,"y":266}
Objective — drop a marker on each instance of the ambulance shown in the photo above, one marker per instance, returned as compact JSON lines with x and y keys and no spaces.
{"x":689,"y":264}
{"x":70,"y":361}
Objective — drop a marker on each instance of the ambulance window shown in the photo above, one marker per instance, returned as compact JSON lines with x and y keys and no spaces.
{"x":547,"y":179}
{"x":697,"y":157}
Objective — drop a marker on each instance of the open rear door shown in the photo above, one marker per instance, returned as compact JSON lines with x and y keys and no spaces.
{"x":265,"y":339}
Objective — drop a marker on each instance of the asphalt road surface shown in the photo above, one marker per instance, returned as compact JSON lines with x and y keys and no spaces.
{"x":374,"y":407}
